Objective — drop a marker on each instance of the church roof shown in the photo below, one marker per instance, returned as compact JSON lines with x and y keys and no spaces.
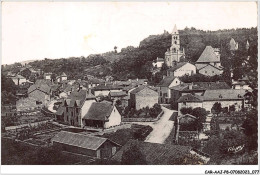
{"x":233,"y":44}
{"x":208,"y":55}
{"x":175,"y":30}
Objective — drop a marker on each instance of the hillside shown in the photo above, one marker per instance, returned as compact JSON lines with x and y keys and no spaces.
{"x":136,"y":62}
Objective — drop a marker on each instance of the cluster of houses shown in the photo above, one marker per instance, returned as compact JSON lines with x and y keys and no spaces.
{"x":92,"y":103}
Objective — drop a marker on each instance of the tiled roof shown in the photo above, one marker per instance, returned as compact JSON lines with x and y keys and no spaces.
{"x":208,"y":55}
{"x":177,"y":66}
{"x":155,"y":153}
{"x":201,"y":86}
{"x":118,"y":94}
{"x":140,"y":88}
{"x":206,"y":65}
{"x":63,"y":74}
{"x":224,"y":94}
{"x":42,"y":87}
{"x":166,"y":81}
{"x":18,"y":76}
{"x":78,"y":98}
{"x":107,"y":87}
{"x":79,"y":140}
{"x":190,"y":98}
{"x":99,"y":111}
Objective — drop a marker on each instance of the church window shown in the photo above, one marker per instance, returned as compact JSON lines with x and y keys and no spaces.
{"x":205,"y":72}
{"x":174,"y":49}
{"x":213,"y":72}
{"x":175,"y":42}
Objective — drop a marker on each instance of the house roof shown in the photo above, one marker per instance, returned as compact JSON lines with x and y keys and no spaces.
{"x":118,"y":94}
{"x":232,"y":44}
{"x":140,"y":88}
{"x":42,"y":87}
{"x":95,"y":81}
{"x":63,"y":74}
{"x":206,"y":65}
{"x":78,"y":98}
{"x":208,"y":55}
{"x":224,"y":94}
{"x":201,"y":86}
{"x":177,"y":66}
{"x":190,"y":98}
{"x":99,"y":111}
{"x":155,"y":153}
{"x":79,"y":140}
{"x":18,"y":76}
{"x":107,"y":87}
{"x":167,"y":81}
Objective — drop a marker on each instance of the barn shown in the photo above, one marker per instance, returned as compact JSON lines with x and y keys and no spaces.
{"x":92,"y":146}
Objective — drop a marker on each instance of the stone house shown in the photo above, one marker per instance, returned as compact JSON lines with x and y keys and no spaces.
{"x":164,"y":88}
{"x":96,"y":147}
{"x":195,"y":88}
{"x":209,"y":62}
{"x":105,"y":89}
{"x":62,"y":77}
{"x":227,"y":98}
{"x":41,"y":93}
{"x":74,"y":108}
{"x":142,"y":97}
{"x":181,"y":69}
{"x":47,"y":76}
{"x":18,"y":80}
{"x":158,"y":62}
{"x":102,"y":115}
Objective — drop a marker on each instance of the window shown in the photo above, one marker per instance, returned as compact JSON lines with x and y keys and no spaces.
{"x":77,"y":110}
{"x":205,"y":71}
{"x":72,"y":114}
{"x":176,"y":81}
{"x":160,"y":93}
{"x":175,"y":42}
{"x":67,"y":109}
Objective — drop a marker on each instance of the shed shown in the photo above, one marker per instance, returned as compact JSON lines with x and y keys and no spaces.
{"x":92,"y":146}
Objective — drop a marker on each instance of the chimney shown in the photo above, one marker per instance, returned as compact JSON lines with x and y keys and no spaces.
{"x":137,"y":79}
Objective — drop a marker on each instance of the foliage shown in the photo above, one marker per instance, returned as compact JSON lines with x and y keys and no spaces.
{"x":133,"y":156}
{"x":216,"y":108}
{"x":250,"y":126}
{"x":186,"y":110}
{"x":188,"y":159}
{"x":8,"y":90}
{"x":143,"y":113}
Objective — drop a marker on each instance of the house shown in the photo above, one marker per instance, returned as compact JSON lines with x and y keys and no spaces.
{"x":74,"y":108}
{"x":47,"y":76}
{"x":29,"y":103}
{"x":175,"y":53}
{"x":242,"y":83}
{"x":197,"y":88}
{"x":164,"y":88}
{"x":62,"y":77}
{"x":157,"y":154}
{"x":227,"y":98}
{"x":142,"y":97}
{"x":105,"y":89}
{"x":189,"y":100}
{"x":18,"y":80}
{"x":158,"y":62}
{"x":117,"y":95}
{"x":41,"y":93}
{"x":102,"y":115}
{"x":233,"y":45}
{"x":96,"y":147}
{"x":181,"y":69}
{"x":209,"y":62}
{"x":91,"y":83}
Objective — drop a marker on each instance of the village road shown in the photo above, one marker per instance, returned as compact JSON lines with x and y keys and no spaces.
{"x":161,"y":128}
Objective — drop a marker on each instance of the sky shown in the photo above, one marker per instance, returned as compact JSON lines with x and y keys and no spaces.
{"x":38,"y":30}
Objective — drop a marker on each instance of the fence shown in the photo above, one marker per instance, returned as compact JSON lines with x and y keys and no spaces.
{"x":142,"y":119}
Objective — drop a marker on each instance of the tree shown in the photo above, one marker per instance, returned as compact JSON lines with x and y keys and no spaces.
{"x":250,"y":126}
{"x":133,"y":156}
{"x":186,"y":110}
{"x":53,"y":77}
{"x":201,"y":114}
{"x":115,"y":48}
{"x":216,"y":108}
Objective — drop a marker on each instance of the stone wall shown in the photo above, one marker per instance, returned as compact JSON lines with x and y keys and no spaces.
{"x":146,"y":97}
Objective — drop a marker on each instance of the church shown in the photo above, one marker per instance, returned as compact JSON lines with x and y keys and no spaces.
{"x":175,"y":52}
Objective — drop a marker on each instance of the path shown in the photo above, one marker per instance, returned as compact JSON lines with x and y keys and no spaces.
{"x":23,"y":125}
{"x":161,"y":128}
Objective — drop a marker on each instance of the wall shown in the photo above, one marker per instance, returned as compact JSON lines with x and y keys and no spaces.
{"x":22,"y":80}
{"x":114,"y":119}
{"x":40,"y":96}
{"x":26,"y":104}
{"x":162,"y":91}
{"x":210,"y":71}
{"x":146,"y":97}
{"x":104,"y":92}
{"x":189,"y":104}
{"x":187,"y":69}
{"x":208,"y":104}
